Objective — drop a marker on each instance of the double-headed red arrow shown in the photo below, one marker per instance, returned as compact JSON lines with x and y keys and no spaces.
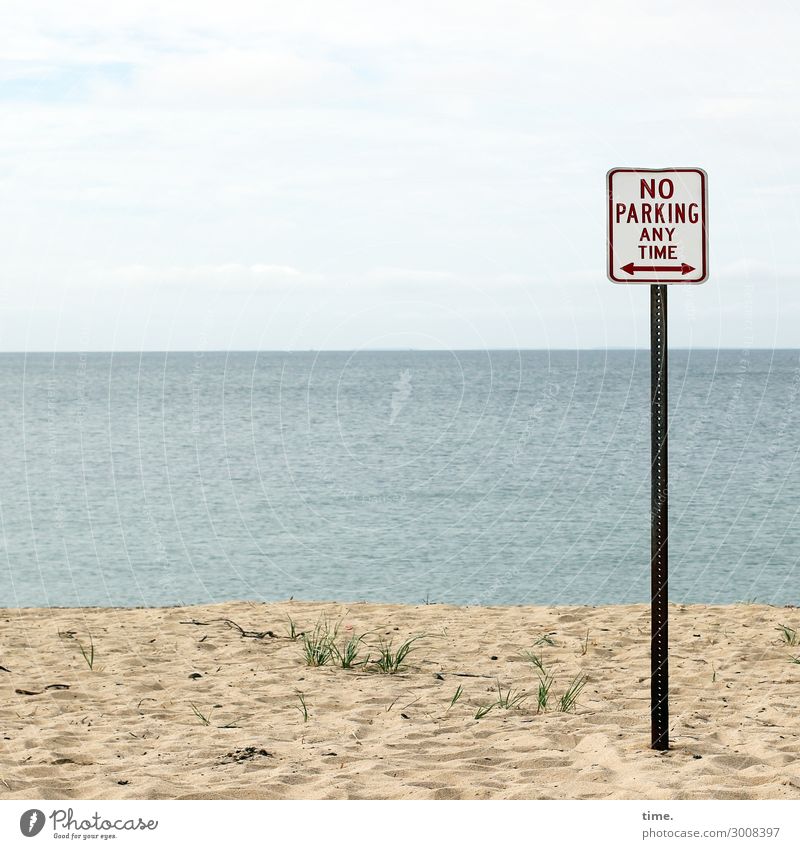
{"x":684,"y":268}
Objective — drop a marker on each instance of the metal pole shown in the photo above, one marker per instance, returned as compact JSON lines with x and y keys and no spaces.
{"x":659,"y":529}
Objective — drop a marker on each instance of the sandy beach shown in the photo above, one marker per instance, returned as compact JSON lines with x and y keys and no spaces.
{"x":179,"y":703}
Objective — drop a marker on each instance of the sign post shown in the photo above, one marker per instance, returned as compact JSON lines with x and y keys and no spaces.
{"x":659,"y":598}
{"x":658,"y":234}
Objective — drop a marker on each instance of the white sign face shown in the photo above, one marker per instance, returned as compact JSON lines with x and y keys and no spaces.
{"x":657,"y":225}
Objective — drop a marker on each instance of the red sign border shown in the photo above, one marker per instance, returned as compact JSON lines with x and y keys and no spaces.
{"x":704,"y":217}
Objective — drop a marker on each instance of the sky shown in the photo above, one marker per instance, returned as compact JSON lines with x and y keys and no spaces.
{"x":307,"y":175}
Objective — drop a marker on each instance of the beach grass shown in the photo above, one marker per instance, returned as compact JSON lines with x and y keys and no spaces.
{"x":483,"y":710}
{"x":543,"y":692}
{"x":294,"y":632}
{"x":390,"y":660}
{"x":510,"y":698}
{"x":536,"y":659}
{"x":302,"y":707}
{"x":569,"y":700}
{"x":87,"y":652}
{"x":456,"y":696}
{"x":318,"y":646}
{"x":348,"y":653}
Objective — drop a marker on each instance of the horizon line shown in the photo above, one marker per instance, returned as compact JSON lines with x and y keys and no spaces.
{"x":379,"y":350}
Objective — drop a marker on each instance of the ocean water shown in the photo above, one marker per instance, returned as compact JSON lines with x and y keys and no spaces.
{"x":481,"y":477}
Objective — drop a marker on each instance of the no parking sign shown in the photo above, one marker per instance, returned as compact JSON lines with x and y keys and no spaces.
{"x":657,"y":225}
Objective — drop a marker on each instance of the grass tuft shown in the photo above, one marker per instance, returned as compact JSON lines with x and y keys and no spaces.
{"x":569,"y":700}
{"x":294,"y":632}
{"x":390,"y":660}
{"x":206,"y":720}
{"x":789,"y":635}
{"x":509,"y":699}
{"x":319,"y":645}
{"x":543,"y":692}
{"x":456,"y":696}
{"x":483,"y":710}
{"x":87,"y":652}
{"x":536,"y":659}
{"x":302,"y":707}
{"x":346,"y":656}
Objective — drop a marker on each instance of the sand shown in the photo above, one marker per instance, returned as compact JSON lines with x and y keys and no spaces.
{"x":127,"y":728}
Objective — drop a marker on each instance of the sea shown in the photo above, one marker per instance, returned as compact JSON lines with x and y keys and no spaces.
{"x":459,"y":477}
